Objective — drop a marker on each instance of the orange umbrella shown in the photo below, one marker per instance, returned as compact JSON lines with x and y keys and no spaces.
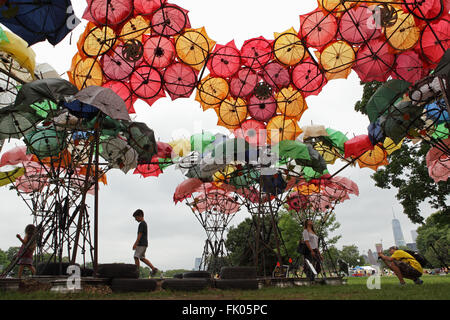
{"x":211,"y":92}
{"x":87,"y":72}
{"x":373,"y":158}
{"x":232,"y":113}
{"x":337,"y":59}
{"x":288,"y":49}
{"x":281,"y":128}
{"x":96,"y":41}
{"x":404,"y":34}
{"x":291,"y":103}
{"x":193,"y":46}
{"x":135,"y":28}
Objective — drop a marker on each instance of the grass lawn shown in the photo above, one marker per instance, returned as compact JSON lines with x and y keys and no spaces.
{"x":434,"y":288}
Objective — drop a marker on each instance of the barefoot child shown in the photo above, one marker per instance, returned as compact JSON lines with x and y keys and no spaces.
{"x":26,"y":256}
{"x":141,"y":244}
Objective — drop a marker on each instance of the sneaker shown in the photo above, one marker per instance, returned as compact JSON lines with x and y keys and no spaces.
{"x":418,"y":281}
{"x":154,"y":271}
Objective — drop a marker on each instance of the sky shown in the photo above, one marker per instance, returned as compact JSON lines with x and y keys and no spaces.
{"x":175,"y":236}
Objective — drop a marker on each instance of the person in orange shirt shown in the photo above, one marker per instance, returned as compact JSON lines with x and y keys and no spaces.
{"x":403,"y":265}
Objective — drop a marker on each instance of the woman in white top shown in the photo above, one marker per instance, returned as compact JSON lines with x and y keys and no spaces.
{"x":313,"y":254}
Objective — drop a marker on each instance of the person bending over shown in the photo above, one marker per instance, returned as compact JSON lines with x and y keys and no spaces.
{"x":403,"y":265}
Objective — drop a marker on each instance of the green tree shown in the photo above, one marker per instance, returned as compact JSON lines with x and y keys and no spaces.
{"x":407,"y":171}
{"x":351,"y":255}
{"x":435,"y":232}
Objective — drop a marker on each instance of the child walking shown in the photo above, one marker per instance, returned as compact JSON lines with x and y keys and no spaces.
{"x":26,"y":255}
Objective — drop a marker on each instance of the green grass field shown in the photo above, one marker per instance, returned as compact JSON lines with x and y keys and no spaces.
{"x":434,"y":288}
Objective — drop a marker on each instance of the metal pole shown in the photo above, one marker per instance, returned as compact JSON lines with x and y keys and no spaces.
{"x":97,"y":138}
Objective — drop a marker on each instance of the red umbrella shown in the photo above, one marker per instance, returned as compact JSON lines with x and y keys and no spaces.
{"x":408,"y":67}
{"x":149,"y":170}
{"x":262,"y":109}
{"x":357,"y":25}
{"x":225,"y":60}
{"x":170,"y":20}
{"x":308,"y":78}
{"x":146,"y":7}
{"x":243,"y":84}
{"x":435,"y":39}
{"x":180,"y":80}
{"x":146,"y":82}
{"x":438,"y":163}
{"x":256,"y":52}
{"x":185,"y":189}
{"x":159,"y":52}
{"x":276,"y":75}
{"x":164,"y":150}
{"x":116,"y":66}
{"x":111,"y":12}
{"x":426,"y":10}
{"x":374,"y":62}
{"x":357,"y":146}
{"x":15,"y":156}
{"x":123,"y":91}
{"x":253,"y":131}
{"x":317,"y":29}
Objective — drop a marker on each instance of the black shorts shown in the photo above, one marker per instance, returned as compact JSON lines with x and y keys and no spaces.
{"x":407,"y":271}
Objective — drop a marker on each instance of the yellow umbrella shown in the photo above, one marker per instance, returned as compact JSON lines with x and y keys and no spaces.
{"x":181,"y":147}
{"x":97,"y":40}
{"x":211,"y":92}
{"x":135,"y":28}
{"x":307,"y":189}
{"x":281,"y":128}
{"x":337,"y":59}
{"x":291,"y":103}
{"x":373,"y":158}
{"x":390,"y":146}
{"x":22,"y":53}
{"x":87,"y":72}
{"x":329,"y":154}
{"x":232,"y":113}
{"x":193,"y":46}
{"x":10,"y":176}
{"x":404,"y":34}
{"x":288,"y":48}
{"x":337,"y":6}
{"x":224,"y":174}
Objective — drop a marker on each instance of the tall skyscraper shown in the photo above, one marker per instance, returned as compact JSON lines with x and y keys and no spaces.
{"x":414,"y":235}
{"x":398,"y":234}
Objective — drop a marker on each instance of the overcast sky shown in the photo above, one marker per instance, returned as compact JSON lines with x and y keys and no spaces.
{"x":175,"y":236}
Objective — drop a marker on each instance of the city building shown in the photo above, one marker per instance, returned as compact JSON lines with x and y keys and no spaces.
{"x":412,"y":246}
{"x":414,"y":235}
{"x":197,"y":263}
{"x":398,"y":234}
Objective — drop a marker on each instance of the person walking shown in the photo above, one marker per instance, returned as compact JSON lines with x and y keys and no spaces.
{"x":141,"y":243}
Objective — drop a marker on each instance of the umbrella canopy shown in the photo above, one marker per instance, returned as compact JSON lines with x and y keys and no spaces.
{"x":225,"y":60}
{"x":159,"y":52}
{"x":287,"y":47}
{"x":276,"y":76}
{"x":374,"y":61}
{"x":291,"y":103}
{"x":256,"y":52}
{"x":202,"y":141}
{"x":124,"y":92}
{"x":435,"y":40}
{"x":357,"y":146}
{"x":243,"y":83}
{"x":404,"y":33}
{"x":336,"y":138}
{"x":262,"y":109}
{"x":385,"y":95}
{"x":193,"y":46}
{"x":281,"y":128}
{"x":142,"y":139}
{"x":253,"y":131}
{"x":373,"y":158}
{"x":15,"y":156}
{"x":337,"y":59}
{"x":170,"y":20}
{"x":46,"y":143}
{"x":179,"y":80}
{"x":10,"y":176}
{"x":357,"y":25}
{"x":293,"y":149}
{"x":105,"y":100}
{"x":146,"y":83}
{"x":211,"y":92}
{"x":232,"y":112}
{"x":118,"y":67}
{"x":111,"y":12}
{"x":308,"y":78}
{"x":317,"y":28}
{"x":409,"y":67}
{"x":16,"y":124}
{"x":118,"y":154}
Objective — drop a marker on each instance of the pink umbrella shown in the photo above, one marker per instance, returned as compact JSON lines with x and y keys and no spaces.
{"x":438,"y":162}
{"x":159,"y":52}
{"x":427,"y":10}
{"x":170,"y":20}
{"x":346,"y":184}
{"x":180,"y":80}
{"x":308,"y":78}
{"x":225,"y":60}
{"x":15,"y":156}
{"x":408,"y":67}
{"x":317,"y":29}
{"x":276,"y":75}
{"x":437,"y":154}
{"x":146,"y":7}
{"x":243,"y":84}
{"x":112,"y":12}
{"x":374,"y":62}
{"x":123,"y":91}
{"x":256,"y":52}
{"x":262,"y":109}
{"x":146,"y":82}
{"x":357,"y":25}
{"x":151,"y":101}
{"x":357,"y":146}
{"x":435,"y":39}
{"x":116,"y":67}
{"x":185,"y":189}
{"x":254,"y":132}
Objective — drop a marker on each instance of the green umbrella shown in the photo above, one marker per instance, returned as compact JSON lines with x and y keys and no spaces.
{"x":294,"y":150}
{"x":309,"y":173}
{"x":400,"y":119}
{"x":384,"y":97}
{"x":441,"y":132}
{"x":336,"y":138}
{"x":16,"y":124}
{"x":142,"y":139}
{"x":44,"y":108}
{"x":3,"y":36}
{"x":45,"y":142}
{"x":201,"y":141}
{"x":244,"y":178}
